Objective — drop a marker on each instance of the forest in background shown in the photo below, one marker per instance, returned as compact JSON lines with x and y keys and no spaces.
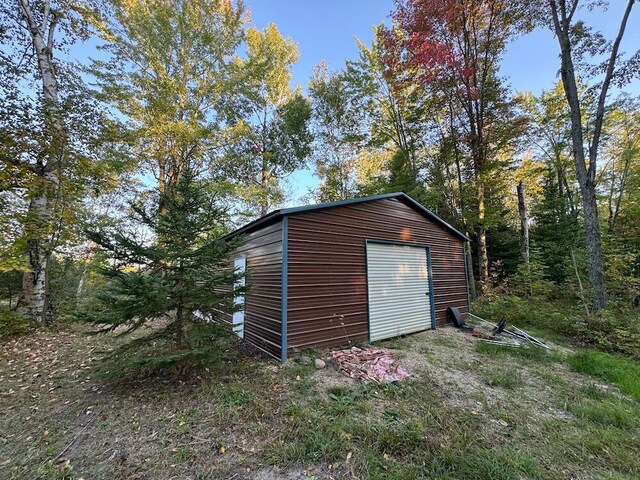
{"x":118,"y":178}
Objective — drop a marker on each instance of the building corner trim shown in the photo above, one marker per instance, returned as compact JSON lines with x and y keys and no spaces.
{"x":285,"y":285}
{"x":431,"y":297}
{"x":466,"y":274}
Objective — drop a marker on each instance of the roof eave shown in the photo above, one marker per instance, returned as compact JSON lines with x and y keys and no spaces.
{"x":273,"y":216}
{"x":434,"y":217}
{"x":252,"y":225}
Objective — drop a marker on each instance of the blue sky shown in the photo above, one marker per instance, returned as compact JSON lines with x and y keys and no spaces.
{"x":325,"y":30}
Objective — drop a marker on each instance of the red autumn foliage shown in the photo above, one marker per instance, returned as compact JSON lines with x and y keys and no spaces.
{"x":431,"y":38}
{"x":428,"y":28}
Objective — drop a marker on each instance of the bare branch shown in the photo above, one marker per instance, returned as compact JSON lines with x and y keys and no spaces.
{"x":597,"y":128}
{"x":50,"y":36}
{"x":572,"y":9}
{"x":45,"y":17}
{"x":28,"y":15}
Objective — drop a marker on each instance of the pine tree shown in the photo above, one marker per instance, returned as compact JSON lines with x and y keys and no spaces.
{"x":181,"y":278}
{"x":556,"y":229}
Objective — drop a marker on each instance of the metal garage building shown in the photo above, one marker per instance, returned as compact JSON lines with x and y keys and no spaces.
{"x":363,"y":269}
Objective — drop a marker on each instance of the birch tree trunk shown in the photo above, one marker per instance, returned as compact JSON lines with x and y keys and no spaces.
{"x":33,"y":302}
{"x":524,"y":224}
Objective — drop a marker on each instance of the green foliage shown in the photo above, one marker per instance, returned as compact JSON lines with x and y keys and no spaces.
{"x":622,"y":270}
{"x":155,"y":355}
{"x":623,"y":372}
{"x":337,"y":128}
{"x":395,"y":119}
{"x":12,"y":324}
{"x":531,"y":280}
{"x":556,"y":230}
{"x":181,"y":277}
{"x":269,"y":138}
{"x":555,"y":315}
{"x":560,"y":313}
{"x":614,"y":330}
{"x":10,"y":285}
{"x":65,"y":275}
{"x":58,"y":143}
{"x":504,"y":248}
{"x":168,"y":70}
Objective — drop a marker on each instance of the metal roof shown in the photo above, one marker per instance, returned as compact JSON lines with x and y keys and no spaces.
{"x":403,"y":197}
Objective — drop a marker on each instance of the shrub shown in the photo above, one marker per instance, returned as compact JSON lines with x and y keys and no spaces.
{"x":530,"y":312}
{"x":12,"y":324}
{"x":614,"y":331}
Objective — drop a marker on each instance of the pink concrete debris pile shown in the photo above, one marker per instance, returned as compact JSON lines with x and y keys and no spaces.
{"x":369,"y":364}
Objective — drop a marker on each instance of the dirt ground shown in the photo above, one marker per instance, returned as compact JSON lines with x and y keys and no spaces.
{"x":60,"y":420}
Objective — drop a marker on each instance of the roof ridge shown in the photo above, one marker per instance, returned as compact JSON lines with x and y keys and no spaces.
{"x":320,"y":206}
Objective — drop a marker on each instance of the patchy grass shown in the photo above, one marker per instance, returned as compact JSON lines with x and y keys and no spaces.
{"x":505,"y":378}
{"x":469,"y":411}
{"x":523,"y":353}
{"x":607,"y":412}
{"x":623,"y":372}
{"x":395,"y":432}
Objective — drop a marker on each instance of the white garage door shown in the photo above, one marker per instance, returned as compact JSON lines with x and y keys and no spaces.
{"x":398,"y":283}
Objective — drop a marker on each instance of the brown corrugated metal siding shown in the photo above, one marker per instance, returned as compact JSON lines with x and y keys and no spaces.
{"x":263,"y":301}
{"x":327,"y":278}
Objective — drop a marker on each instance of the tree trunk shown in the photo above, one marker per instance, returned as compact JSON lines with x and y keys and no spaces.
{"x":470,"y":278}
{"x":82,"y":283}
{"x":594,"y":248}
{"x":586,"y":174}
{"x":524,"y":224}
{"x":614,"y":207}
{"x":463,"y":211}
{"x":33,"y":302}
{"x":483,"y":258}
{"x":264,"y":197}
{"x":179,"y":328}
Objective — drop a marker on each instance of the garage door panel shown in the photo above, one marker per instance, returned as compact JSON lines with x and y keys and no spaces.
{"x":398,"y":286}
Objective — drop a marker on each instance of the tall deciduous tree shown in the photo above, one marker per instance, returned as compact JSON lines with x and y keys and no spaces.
{"x":337,"y":129}
{"x":50,"y":137}
{"x":457,"y":45}
{"x":169,"y":73}
{"x":271,"y":137}
{"x":394,"y":108}
{"x":41,"y":26}
{"x":577,"y":42}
